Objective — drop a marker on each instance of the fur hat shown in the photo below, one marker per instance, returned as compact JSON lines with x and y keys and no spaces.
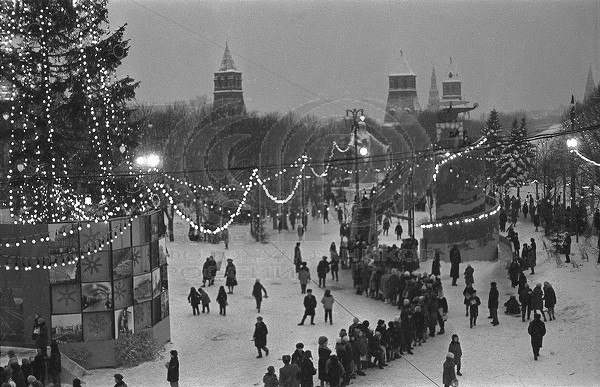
{"x":449,"y":355}
{"x":346,"y":339}
{"x":322,"y":340}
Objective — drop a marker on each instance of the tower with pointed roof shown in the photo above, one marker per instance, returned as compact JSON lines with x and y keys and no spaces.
{"x":434,"y":95}
{"x":402,"y":94}
{"x":590,"y":86}
{"x":228,"y":94}
{"x":451,"y":89}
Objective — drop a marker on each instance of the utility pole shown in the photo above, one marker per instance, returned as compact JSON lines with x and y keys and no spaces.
{"x":259,"y":226}
{"x":574,"y":225}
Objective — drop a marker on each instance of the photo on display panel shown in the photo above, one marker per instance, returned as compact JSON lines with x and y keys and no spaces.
{"x":142,"y":316}
{"x":163,"y":278}
{"x":140,"y":230}
{"x":123,"y":232}
{"x":67,"y":328}
{"x":156,"y":282}
{"x":123,"y":292}
{"x":124,"y":322}
{"x":163,"y":252}
{"x":154,"y":226}
{"x":96,"y":297}
{"x":98,"y":326}
{"x":12,"y":300}
{"x":96,"y":236}
{"x":154,"y":254}
{"x":122,"y":263}
{"x":96,"y":267}
{"x":62,"y":248}
{"x":141,"y":259}
{"x":66,"y":298}
{"x":156,"y":310}
{"x":67,"y":273}
{"x":164,"y":305}
{"x":142,"y":288}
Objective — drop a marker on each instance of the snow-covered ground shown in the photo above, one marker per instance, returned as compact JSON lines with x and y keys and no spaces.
{"x":218,"y":351}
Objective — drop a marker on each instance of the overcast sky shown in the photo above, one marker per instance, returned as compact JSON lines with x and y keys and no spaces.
{"x":509,"y":54}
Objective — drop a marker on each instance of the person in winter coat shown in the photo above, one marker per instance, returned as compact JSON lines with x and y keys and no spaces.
{"x":435,"y":264}
{"x":310,"y":303}
{"x":512,"y":306}
{"x":386,"y":226}
{"x":455,"y":349}
{"x":118,"y":381}
{"x":335,"y":371}
{"x":549,"y":299}
{"x":525,"y":210}
{"x":448,"y":375}
{"x":42,"y":339}
{"x":535,"y":216}
{"x":537,"y":302}
{"x":194,"y":299}
{"x":222,"y":301}
{"x":360,"y":348}
{"x":335,"y":263}
{"x":260,"y":337}
{"x":474,"y":303}
{"x":17,"y":376}
{"x":418,"y":320}
{"x":516,"y":244}
{"x":54,"y":364}
{"x":455,"y":264}
{"x":38,"y":366}
{"x":537,"y":330}
{"x":270,"y":378}
{"x":502,"y":218}
{"x":324,"y":353}
{"x":297,"y":257}
{"x":304,"y":277}
{"x":26,"y":367}
{"x":467,"y":293}
{"x":407,"y":328}
{"x":298,"y":355}
{"x":173,"y":369}
{"x":207,"y":272}
{"x":327,"y":302}
{"x":432,"y":314}
{"x":567,"y":248}
{"x":205,"y":299}
{"x":398,"y":231}
{"x":288,"y":373}
{"x":376,"y":350}
{"x":322,"y":270}
{"x":493,"y":303}
{"x":230,"y":275}
{"x":257,"y":292}
{"x":469,"y":275}
{"x":531,"y":258}
{"x":525,"y":300}
{"x":442,"y":311}
{"x":307,"y":371}
{"x":513,"y":272}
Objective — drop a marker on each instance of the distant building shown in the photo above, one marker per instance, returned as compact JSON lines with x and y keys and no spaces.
{"x":228,"y":94}
{"x":451,"y":89}
{"x":402,"y":94}
{"x":433,"y":103}
{"x":590,"y":86}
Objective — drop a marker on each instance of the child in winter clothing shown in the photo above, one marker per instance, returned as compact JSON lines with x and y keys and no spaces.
{"x":222,"y":300}
{"x":327,"y":302}
{"x":270,"y":378}
{"x":474,"y":303}
{"x":205,"y":300}
{"x":455,"y":349}
{"x":512,"y":306}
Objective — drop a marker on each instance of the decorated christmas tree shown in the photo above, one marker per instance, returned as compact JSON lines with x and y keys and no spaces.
{"x":69,"y":121}
{"x":516,"y":158}
{"x":492,"y":130}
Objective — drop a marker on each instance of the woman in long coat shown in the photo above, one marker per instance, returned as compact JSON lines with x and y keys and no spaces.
{"x":435,"y":265}
{"x":230,"y":274}
{"x":549,"y":299}
{"x":531,"y":259}
{"x":194,"y":299}
{"x":537,"y":300}
{"x":324,"y":354}
{"x":455,"y":262}
{"x":307,"y":371}
{"x":257,"y":292}
{"x":260,"y":336}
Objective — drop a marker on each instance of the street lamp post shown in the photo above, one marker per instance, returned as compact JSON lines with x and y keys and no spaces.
{"x":357,"y":115}
{"x":572,"y":143}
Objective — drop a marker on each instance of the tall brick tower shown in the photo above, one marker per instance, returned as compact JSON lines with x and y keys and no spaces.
{"x":434,"y":95}
{"x":402,"y":94}
{"x":228,"y":94}
{"x":451,"y":89}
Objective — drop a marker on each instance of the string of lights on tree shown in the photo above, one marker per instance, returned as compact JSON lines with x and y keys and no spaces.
{"x":451,"y":156}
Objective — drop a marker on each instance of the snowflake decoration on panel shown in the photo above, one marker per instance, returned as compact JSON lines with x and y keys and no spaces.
{"x":97,"y":324}
{"x":66,"y":295}
{"x":91,"y":238}
{"x":92,"y":264}
{"x":136,"y":256}
{"x":120,"y":291}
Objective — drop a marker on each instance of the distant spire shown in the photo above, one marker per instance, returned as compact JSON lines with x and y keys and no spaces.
{"x":589,"y":85}
{"x":434,"y":94}
{"x":227,"y":61}
{"x":451,"y":72}
{"x":404,"y":67}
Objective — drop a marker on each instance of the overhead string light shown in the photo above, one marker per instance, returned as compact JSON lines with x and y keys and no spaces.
{"x":291,"y":195}
{"x":451,"y":156}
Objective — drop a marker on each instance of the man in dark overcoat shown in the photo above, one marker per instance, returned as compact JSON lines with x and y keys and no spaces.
{"x":260,"y":336}
{"x":310,"y":303}
{"x":455,"y":264}
{"x":537,"y":330}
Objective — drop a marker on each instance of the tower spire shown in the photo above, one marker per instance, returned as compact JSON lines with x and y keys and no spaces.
{"x":434,"y":94}
{"x":228,"y":94}
{"x":590,"y":86}
{"x":227,"y":61}
{"x":402,"y":93}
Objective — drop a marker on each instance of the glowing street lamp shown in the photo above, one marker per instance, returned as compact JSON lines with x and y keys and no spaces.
{"x":150,"y":161}
{"x":572,"y":143}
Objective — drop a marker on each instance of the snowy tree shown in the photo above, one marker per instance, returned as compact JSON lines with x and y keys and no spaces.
{"x":516,"y":157}
{"x":492,"y":130}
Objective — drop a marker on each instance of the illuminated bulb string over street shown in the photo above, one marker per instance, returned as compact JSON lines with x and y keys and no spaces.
{"x":572,"y":143}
